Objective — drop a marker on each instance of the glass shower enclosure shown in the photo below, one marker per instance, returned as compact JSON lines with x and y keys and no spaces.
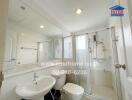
{"x":94,"y":55}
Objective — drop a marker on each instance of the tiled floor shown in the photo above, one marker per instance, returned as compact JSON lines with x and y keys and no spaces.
{"x":85,"y":98}
{"x":105,"y":92}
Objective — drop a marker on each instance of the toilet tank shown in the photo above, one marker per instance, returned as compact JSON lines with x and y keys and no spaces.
{"x":60,"y":80}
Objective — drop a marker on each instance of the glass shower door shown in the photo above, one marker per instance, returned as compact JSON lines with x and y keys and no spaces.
{"x":82,"y":58}
{"x":94,"y":55}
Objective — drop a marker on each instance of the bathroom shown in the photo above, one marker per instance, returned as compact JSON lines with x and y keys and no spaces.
{"x":66,"y":50}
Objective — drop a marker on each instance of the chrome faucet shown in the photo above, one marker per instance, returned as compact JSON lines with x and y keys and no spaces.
{"x":35,"y":78}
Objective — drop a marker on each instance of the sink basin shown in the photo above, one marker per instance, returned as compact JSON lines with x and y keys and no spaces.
{"x":36,"y":90}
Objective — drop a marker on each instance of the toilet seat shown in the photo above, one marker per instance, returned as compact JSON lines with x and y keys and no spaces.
{"x":73,"y":89}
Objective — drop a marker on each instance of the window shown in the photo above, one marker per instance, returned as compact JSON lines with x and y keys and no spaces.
{"x":58,"y":48}
{"x":81,"y":42}
{"x":68,"y":47}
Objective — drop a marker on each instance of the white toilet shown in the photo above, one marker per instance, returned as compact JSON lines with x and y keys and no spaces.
{"x":69,"y":91}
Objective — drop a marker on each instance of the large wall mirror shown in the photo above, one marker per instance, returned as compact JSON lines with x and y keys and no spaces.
{"x":32,"y":36}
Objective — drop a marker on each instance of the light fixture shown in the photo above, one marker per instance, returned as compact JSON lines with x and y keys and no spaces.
{"x":41,"y":26}
{"x":22,"y":34}
{"x":78,"y":11}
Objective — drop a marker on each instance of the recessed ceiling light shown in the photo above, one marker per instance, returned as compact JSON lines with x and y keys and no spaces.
{"x":78,"y":11}
{"x":41,"y":26}
{"x":22,"y":34}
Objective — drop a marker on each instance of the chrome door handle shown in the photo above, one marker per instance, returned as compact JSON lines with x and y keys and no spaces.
{"x":124,"y":66}
{"x":118,"y":66}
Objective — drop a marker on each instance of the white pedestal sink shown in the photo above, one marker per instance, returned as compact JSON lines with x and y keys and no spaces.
{"x":36,"y":90}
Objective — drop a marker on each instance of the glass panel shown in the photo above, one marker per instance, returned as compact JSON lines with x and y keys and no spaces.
{"x":94,"y":54}
{"x":82,"y":59}
{"x":101,"y":69}
{"x":68,"y":47}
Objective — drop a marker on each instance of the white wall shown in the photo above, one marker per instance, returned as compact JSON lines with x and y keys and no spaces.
{"x":3,"y":18}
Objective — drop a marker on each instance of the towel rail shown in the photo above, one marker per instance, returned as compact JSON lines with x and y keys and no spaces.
{"x":29,"y":48}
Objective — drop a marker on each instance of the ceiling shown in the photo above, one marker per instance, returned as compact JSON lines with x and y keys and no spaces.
{"x":31,"y":19}
{"x":59,"y":15}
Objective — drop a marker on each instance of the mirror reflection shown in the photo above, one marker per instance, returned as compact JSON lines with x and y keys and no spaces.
{"x":32,"y":37}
